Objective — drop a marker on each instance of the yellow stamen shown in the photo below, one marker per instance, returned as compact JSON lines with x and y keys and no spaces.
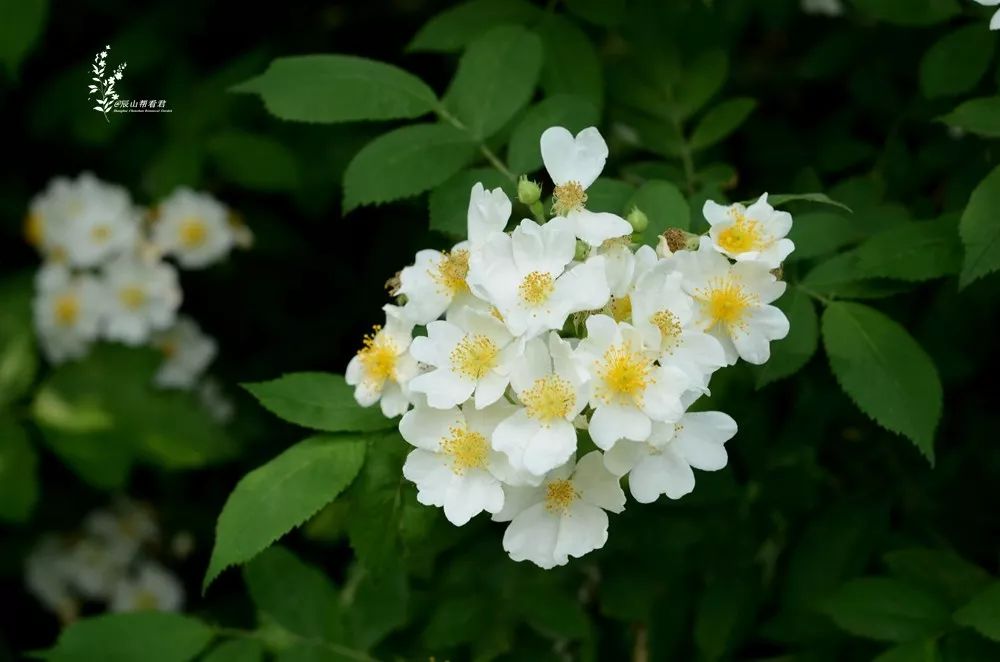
{"x":146,"y":600}
{"x":451,"y":272}
{"x":725,"y":302}
{"x":192,"y":232}
{"x":559,"y":496}
{"x":66,"y":309}
{"x":378,"y":356}
{"x":474,"y":356}
{"x":620,"y":308}
{"x":468,"y":449}
{"x":743,"y":235}
{"x":34,"y":229}
{"x":568,"y":197}
{"x":100,"y":233}
{"x":669,"y":326}
{"x":536,"y":287}
{"x":132,"y":297}
{"x":550,"y":398}
{"x":624,"y":374}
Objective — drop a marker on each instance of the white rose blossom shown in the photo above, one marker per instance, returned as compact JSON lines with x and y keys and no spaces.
{"x":195,"y":228}
{"x":750,"y":234}
{"x":143,"y":297}
{"x":68,"y":309}
{"x":383,"y":366}
{"x":187,"y":352}
{"x":995,"y":21}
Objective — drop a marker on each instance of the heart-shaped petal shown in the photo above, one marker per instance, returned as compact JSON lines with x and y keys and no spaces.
{"x":568,"y":159}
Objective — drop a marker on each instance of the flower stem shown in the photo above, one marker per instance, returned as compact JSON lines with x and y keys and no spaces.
{"x":490,"y":155}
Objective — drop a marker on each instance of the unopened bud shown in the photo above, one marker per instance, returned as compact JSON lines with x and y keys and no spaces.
{"x":528,"y":192}
{"x":582,"y":251}
{"x":778,"y":272}
{"x":675,"y":239}
{"x":637,"y":219}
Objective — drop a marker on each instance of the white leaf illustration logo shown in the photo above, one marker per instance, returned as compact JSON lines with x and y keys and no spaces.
{"x":102,"y":90}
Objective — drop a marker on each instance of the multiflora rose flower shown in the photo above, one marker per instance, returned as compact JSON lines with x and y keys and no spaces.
{"x":383,"y":365}
{"x":750,"y":234}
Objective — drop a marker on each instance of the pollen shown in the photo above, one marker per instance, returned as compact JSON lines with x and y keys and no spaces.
{"x":620,"y":308}
{"x":560,"y":495}
{"x":474,"y":356}
{"x":669,"y":326}
{"x":451,"y":272}
{"x":624,"y":374}
{"x":550,"y":398}
{"x":536,"y":287}
{"x":725,"y":301}
{"x":743,"y":235}
{"x":100,"y":233}
{"x":568,"y":197}
{"x":378,"y":356}
{"x":468,"y":449}
{"x":192,"y":232}
{"x":66,"y":309}
{"x":132,"y":297}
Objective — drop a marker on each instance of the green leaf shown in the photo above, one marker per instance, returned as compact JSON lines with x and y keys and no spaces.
{"x":571,"y":65}
{"x":956,"y":62}
{"x":150,"y":636}
{"x":820,"y":198}
{"x":979,"y":116}
{"x":725,"y":611}
{"x":524,"y":154}
{"x":921,"y":650}
{"x":699,"y":82}
{"x":820,"y":233}
{"x":376,"y":604}
{"x":664,"y":205}
{"x":317,"y":400}
{"x":980,"y":230}
{"x":789,"y":355}
{"x":721,"y":121}
{"x":982,"y":613}
{"x":913,"y":252}
{"x":405,"y":162}
{"x":496,"y":77}
{"x":884,"y":371}
{"x":254,"y":161}
{"x":608,"y":13}
{"x":909,"y":12}
{"x":23,"y":23}
{"x":449,"y":203}
{"x":938,"y":570}
{"x":18,"y":472}
{"x":236,"y":650}
{"x":610,"y":195}
{"x":18,"y":358}
{"x":339,"y":88}
{"x":275,"y":498}
{"x":377,"y":503}
{"x":451,"y":30}
{"x":886,"y":609}
{"x":297,"y":596}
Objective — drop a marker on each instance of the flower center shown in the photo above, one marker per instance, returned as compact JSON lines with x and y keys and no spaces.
{"x":146,"y":600}
{"x":568,"y":197}
{"x":620,"y":308}
{"x":378,"y":356}
{"x":474,"y":356}
{"x":560,"y":495}
{"x":100,"y":233}
{"x":549,"y":398}
{"x":725,"y":302}
{"x":192,"y":232}
{"x":669,"y":326}
{"x":34,"y":229}
{"x":536,"y":287}
{"x":132,"y":297}
{"x":624,"y":374}
{"x":66,"y":309}
{"x":451,"y":272}
{"x":468,"y":449}
{"x":743,"y":235}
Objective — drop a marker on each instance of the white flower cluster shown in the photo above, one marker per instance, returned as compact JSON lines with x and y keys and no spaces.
{"x":549,"y":335}
{"x":995,"y":21}
{"x":106,"y":275}
{"x":106,"y":563}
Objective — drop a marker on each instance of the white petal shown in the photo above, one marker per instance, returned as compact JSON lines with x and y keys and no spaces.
{"x":764,"y":324}
{"x":431,"y":474}
{"x":624,"y":455}
{"x":517,"y":499}
{"x":594,"y":228}
{"x":531,"y":536}
{"x":583,"y":529}
{"x":597,"y":485}
{"x":550,"y":447}
{"x":425,"y":427}
{"x":611,"y":422}
{"x":490,"y":389}
{"x":443,"y":388}
{"x":702,"y":437}
{"x":471,"y":494}
{"x":488,"y":213}
{"x":579,"y":159}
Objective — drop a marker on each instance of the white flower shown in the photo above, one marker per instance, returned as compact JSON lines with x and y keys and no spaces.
{"x":525,"y":275}
{"x":187,"y":351}
{"x":383,"y":366}
{"x":754,"y":234}
{"x":629,"y":390}
{"x":995,"y":21}
{"x":574,"y":164}
{"x":664,"y":315}
{"x":540,"y":436}
{"x":83,"y":221}
{"x":123,"y":529}
{"x":453,"y":465}
{"x":562,"y":517}
{"x":67,"y":311}
{"x":219,"y":406}
{"x":143,"y":297}
{"x":823,"y":7}
{"x":193,"y":227}
{"x":663,"y":463}
{"x":488,"y":214}
{"x":469,"y":354}
{"x":731,"y":302}
{"x":45,"y":579}
{"x":93,"y":568}
{"x":151,"y":588}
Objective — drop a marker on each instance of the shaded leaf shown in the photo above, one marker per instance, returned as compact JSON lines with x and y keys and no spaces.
{"x":317,"y":400}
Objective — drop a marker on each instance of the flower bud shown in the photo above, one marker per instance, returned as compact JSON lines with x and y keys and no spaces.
{"x":637,"y":219}
{"x":675,"y":239}
{"x":582,"y":250}
{"x":528,"y":192}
